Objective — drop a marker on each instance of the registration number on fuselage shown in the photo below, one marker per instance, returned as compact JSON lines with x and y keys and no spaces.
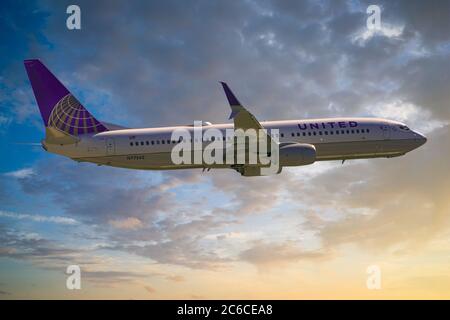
{"x":136,"y":157}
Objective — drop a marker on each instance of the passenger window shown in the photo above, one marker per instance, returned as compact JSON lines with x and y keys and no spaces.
{"x":314,"y":133}
{"x":309,"y":133}
{"x":153,"y":142}
{"x":142,"y":143}
{"x":367,"y":130}
{"x":337,"y":131}
{"x":353,"y":131}
{"x":342,"y":131}
{"x":331,"y":132}
{"x":282,"y":135}
{"x":357,"y":130}
{"x":131,"y":143}
{"x":348,"y":131}
{"x":157,"y":141}
{"x":304,"y":133}
{"x":320,"y":133}
{"x":147,"y":143}
{"x":326,"y":133}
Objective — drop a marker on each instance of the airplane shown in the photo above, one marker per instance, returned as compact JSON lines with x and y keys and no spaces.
{"x":72,"y":131}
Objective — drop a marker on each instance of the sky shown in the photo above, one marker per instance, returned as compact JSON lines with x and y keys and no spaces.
{"x":310,"y":232}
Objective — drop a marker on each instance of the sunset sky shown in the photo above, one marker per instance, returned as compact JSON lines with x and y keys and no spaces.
{"x":309,"y":232}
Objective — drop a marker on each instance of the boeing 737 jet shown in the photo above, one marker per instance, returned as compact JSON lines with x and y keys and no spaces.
{"x":72,"y":131}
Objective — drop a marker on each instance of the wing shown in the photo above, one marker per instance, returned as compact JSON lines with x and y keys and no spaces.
{"x":244,"y":120}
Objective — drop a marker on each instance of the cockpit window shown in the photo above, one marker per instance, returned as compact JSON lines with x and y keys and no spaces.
{"x":404,"y":127}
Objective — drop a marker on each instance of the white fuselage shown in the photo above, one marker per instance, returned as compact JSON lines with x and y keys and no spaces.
{"x":334,"y":139}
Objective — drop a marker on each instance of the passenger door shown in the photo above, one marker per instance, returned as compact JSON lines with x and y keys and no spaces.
{"x":385,"y":134}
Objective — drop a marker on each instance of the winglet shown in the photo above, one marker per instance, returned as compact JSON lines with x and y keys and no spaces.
{"x":230,"y":95}
{"x":232,"y":100}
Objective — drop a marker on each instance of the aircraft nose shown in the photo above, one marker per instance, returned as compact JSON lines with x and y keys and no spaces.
{"x":420,"y":138}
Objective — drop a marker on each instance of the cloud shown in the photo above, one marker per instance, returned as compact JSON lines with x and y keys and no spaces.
{"x":4,"y":121}
{"x":71,"y":186}
{"x":146,"y":218}
{"x":128,"y":223}
{"x":149,"y":289}
{"x":268,"y":255}
{"x":403,"y":184}
{"x":416,"y":16}
{"x":31,"y":246}
{"x":111,"y":278}
{"x":425,"y":84}
{"x":365,"y":34}
{"x":38,"y":218}
{"x":175,"y":278}
{"x":20,"y":174}
{"x":183,"y":252}
{"x":51,"y":255}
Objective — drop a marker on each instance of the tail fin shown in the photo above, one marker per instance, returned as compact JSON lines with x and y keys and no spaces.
{"x":59,"y":108}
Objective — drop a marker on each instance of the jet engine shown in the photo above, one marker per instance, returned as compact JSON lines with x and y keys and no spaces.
{"x":297,"y":154}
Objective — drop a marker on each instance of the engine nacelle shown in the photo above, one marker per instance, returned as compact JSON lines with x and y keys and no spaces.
{"x":297,"y":154}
